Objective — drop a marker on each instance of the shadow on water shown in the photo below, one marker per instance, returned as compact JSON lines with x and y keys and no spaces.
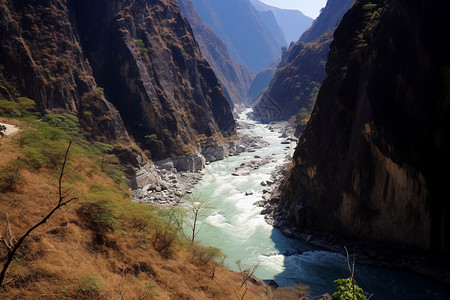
{"x":318,"y":269}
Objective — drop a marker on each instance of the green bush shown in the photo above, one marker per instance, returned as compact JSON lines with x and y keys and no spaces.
{"x":347,"y":289}
{"x":9,"y":178}
{"x":90,"y":284}
{"x":141,"y":46}
{"x":98,"y":216}
{"x":67,"y":122}
{"x":202,"y":255}
{"x":369,"y":6}
{"x":21,"y":107}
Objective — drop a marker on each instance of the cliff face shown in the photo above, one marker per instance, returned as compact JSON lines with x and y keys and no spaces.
{"x":371,"y":160}
{"x":235,"y":78}
{"x":328,"y":19}
{"x":296,"y":81}
{"x":141,"y":53}
{"x":41,"y":58}
{"x":294,"y":86}
{"x":239,"y":25}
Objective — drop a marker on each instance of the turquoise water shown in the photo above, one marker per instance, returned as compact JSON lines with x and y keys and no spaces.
{"x":236,"y":226}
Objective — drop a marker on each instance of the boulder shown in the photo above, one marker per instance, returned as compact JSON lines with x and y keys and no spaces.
{"x":249,"y":192}
{"x":263,"y":183}
{"x":287,"y":232}
{"x":260,"y":203}
{"x":192,"y":162}
{"x":240,"y":149}
{"x":166,"y":164}
{"x":213,"y":153}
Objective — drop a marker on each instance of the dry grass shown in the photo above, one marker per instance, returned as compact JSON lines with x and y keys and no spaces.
{"x":71,"y":257}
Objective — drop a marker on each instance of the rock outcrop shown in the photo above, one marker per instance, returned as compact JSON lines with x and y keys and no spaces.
{"x":372,"y":160}
{"x":235,"y":77}
{"x":116,"y":65}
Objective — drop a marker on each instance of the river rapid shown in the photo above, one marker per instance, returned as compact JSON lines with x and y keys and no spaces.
{"x":235,"y":225}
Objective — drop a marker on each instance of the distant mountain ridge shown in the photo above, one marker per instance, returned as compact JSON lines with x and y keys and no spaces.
{"x":241,"y":27}
{"x":292,"y":22}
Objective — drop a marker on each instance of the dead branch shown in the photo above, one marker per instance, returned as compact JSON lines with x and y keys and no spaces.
{"x":61,"y":202}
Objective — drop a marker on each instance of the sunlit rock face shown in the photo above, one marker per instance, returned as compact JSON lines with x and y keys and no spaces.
{"x":372,"y":160}
{"x":116,"y":65}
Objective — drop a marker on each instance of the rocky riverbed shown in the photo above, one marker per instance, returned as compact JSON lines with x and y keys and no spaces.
{"x":165,"y":182}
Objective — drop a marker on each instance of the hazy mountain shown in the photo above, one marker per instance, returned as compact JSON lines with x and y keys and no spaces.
{"x":235,"y":78}
{"x":240,"y":26}
{"x":292,"y":22}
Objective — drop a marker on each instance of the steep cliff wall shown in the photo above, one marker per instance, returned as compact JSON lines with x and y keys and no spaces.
{"x":296,"y":81}
{"x":372,"y":161}
{"x":329,"y":18}
{"x":41,"y":58}
{"x":139,"y":55}
{"x":294,"y":86}
{"x":235,"y":78}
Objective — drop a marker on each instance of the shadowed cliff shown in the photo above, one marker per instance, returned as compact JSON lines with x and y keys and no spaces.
{"x":372,"y":160}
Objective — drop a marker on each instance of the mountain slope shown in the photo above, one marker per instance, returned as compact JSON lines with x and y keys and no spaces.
{"x":296,"y":81}
{"x":239,"y":25}
{"x":328,"y":19}
{"x":141,"y":56}
{"x":369,"y":159}
{"x":235,"y":78}
{"x":292,"y":22}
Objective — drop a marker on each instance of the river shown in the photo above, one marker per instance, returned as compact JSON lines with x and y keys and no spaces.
{"x":236,"y":226}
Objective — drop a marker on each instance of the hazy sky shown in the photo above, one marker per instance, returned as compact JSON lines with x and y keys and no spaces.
{"x":311,"y":8}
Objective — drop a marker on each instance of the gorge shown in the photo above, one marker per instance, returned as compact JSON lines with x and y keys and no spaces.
{"x":346,"y":146}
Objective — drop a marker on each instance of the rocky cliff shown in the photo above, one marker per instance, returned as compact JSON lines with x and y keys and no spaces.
{"x":296,"y":81}
{"x":329,"y":18}
{"x":235,"y":77}
{"x":240,"y":26}
{"x":89,"y":57}
{"x":372,"y":160}
{"x":41,"y":58}
{"x":294,"y":86}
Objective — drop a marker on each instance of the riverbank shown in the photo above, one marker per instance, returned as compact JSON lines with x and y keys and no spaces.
{"x":165,"y":182}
